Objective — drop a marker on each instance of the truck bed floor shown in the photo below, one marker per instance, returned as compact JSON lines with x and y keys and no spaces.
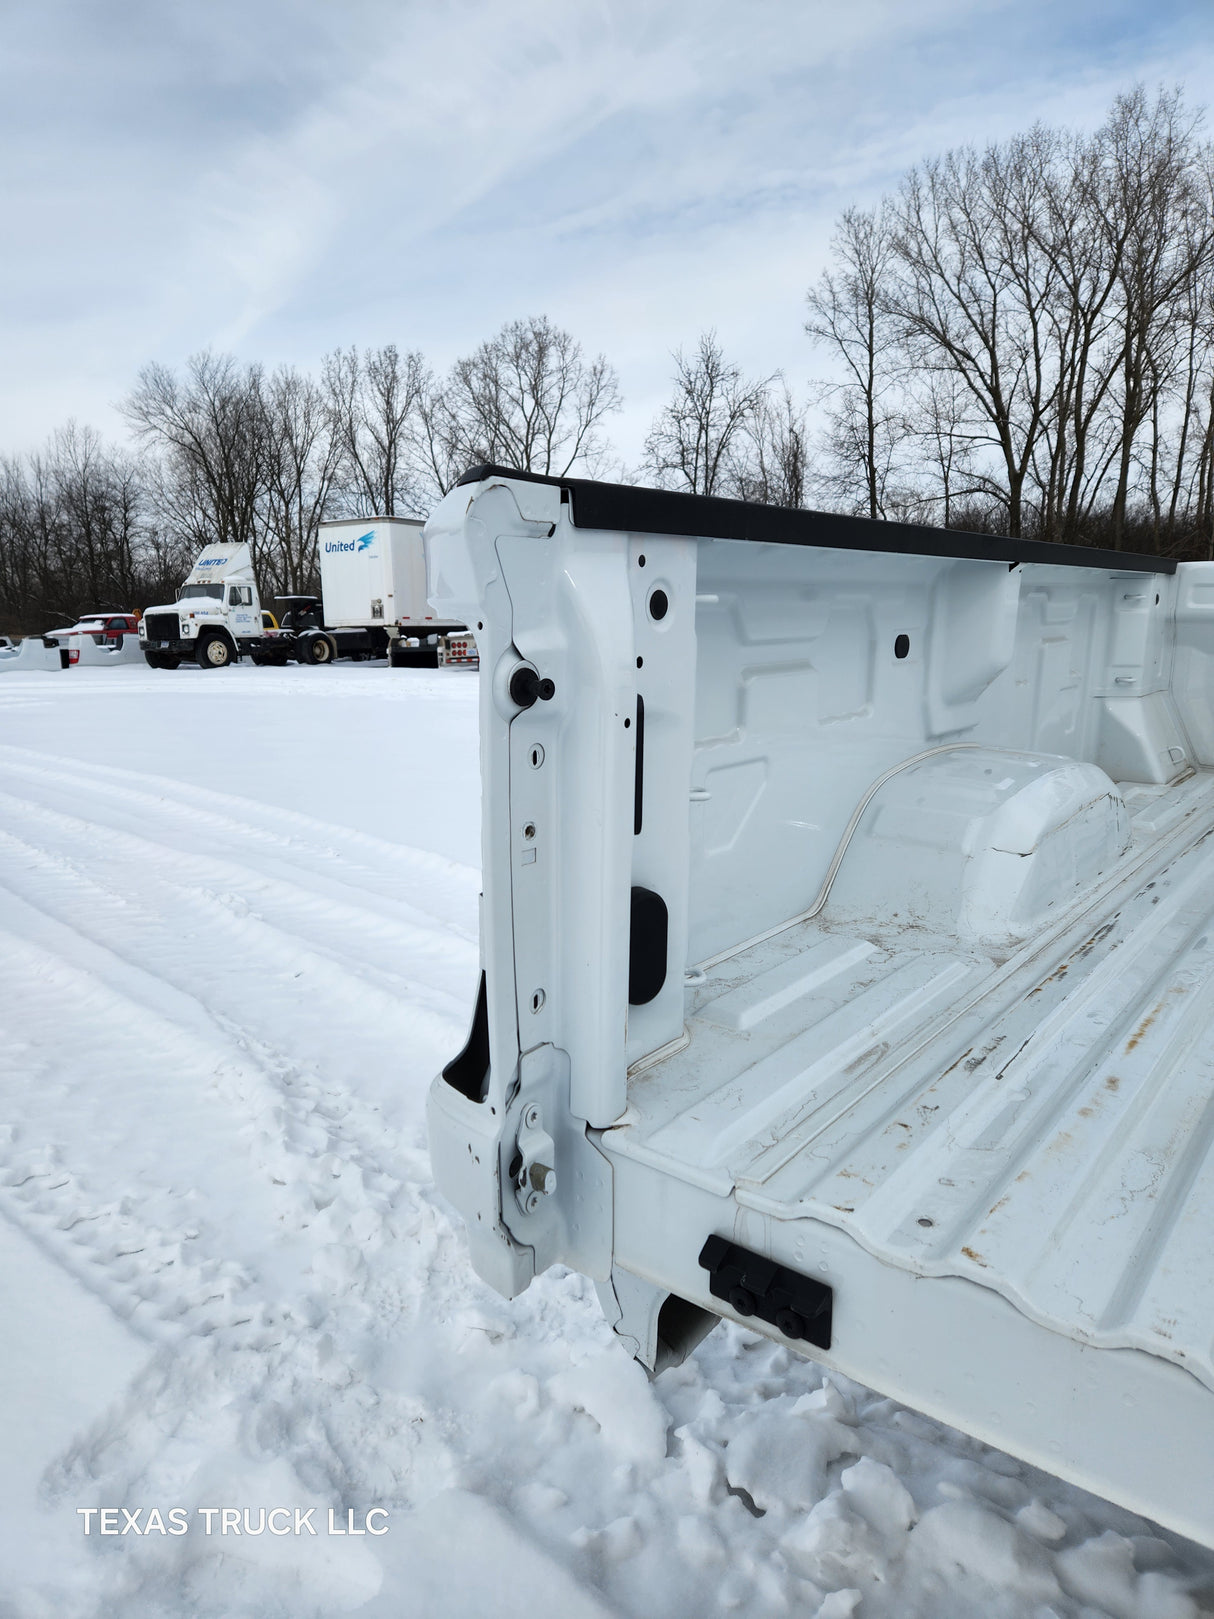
{"x":1041,"y":1125}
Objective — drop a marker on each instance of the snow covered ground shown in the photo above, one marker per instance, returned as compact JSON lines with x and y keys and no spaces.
{"x":237,"y":938}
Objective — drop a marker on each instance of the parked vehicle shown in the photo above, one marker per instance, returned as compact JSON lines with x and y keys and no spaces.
{"x":102,"y":629}
{"x":303,"y":635}
{"x":216,"y":617}
{"x":848,"y":953}
{"x":373,"y":582}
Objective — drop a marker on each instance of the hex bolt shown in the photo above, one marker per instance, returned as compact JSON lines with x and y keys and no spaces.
{"x":531,"y":1118}
{"x":533,"y":1202}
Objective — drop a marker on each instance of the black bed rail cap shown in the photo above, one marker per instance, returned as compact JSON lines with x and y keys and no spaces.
{"x":637,"y":510}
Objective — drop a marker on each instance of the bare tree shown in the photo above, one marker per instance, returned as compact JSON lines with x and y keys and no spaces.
{"x":770,"y":460}
{"x":1171,"y":232}
{"x":207,"y":430}
{"x":98,"y":500}
{"x":695,"y":442}
{"x":848,"y":315}
{"x":972,"y":293}
{"x":74,"y":532}
{"x":943,"y":441}
{"x":376,"y":401}
{"x":303,"y":456}
{"x":527,"y":398}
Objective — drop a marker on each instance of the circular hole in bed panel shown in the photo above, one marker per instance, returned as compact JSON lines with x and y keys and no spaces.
{"x":659,"y":605}
{"x":901,"y":645}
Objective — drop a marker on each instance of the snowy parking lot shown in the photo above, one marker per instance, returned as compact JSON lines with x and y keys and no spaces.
{"x":238,"y":917}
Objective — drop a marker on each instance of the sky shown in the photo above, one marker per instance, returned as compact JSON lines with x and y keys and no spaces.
{"x":279,"y":178}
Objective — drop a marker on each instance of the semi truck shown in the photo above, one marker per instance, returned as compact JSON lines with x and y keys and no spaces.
{"x":373,"y":580}
{"x":847,"y":956}
{"x":216,"y":617}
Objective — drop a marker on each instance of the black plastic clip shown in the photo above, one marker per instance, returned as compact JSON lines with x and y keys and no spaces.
{"x":798,"y":1306}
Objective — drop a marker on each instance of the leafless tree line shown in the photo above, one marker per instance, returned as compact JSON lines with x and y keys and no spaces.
{"x":225,"y":451}
{"x":1024,"y":337}
{"x":1021,"y":340}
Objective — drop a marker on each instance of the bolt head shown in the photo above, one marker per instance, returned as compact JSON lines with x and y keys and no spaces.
{"x":790,"y":1324}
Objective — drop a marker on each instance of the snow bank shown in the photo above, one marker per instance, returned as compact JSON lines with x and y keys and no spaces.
{"x":237,"y":937}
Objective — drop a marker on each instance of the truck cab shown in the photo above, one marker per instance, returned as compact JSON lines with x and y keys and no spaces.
{"x":217,"y":616}
{"x":847,"y":948}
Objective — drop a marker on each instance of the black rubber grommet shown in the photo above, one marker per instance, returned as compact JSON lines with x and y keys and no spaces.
{"x":525,"y":686}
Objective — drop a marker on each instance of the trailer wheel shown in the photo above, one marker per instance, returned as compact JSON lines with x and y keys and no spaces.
{"x":214,"y":653}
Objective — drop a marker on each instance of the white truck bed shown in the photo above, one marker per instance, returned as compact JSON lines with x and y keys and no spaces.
{"x":913,"y":1012}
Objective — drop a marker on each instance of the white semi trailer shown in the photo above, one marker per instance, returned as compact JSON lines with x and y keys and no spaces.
{"x":373,"y":584}
{"x":848,"y":956}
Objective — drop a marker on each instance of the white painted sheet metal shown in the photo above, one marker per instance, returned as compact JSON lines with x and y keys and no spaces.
{"x":849,"y":898}
{"x":1043,"y":1127}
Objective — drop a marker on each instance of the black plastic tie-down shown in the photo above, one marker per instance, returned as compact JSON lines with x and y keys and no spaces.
{"x":796,"y":1305}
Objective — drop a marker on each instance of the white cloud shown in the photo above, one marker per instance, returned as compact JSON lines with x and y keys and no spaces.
{"x":290,"y":176}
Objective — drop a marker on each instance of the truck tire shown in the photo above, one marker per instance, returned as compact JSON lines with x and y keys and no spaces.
{"x":214,"y":652}
{"x":317,"y":649}
{"x":162,"y":660}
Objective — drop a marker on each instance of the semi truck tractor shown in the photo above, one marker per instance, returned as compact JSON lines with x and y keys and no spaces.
{"x":216,"y":617}
{"x":847,"y":949}
{"x":374,"y":604}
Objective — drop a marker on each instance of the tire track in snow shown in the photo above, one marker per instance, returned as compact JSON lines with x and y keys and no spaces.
{"x":344,"y":936}
{"x":116,"y":972}
{"x":182,"y":917}
{"x":337,"y":1163}
{"x":372,"y":866}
